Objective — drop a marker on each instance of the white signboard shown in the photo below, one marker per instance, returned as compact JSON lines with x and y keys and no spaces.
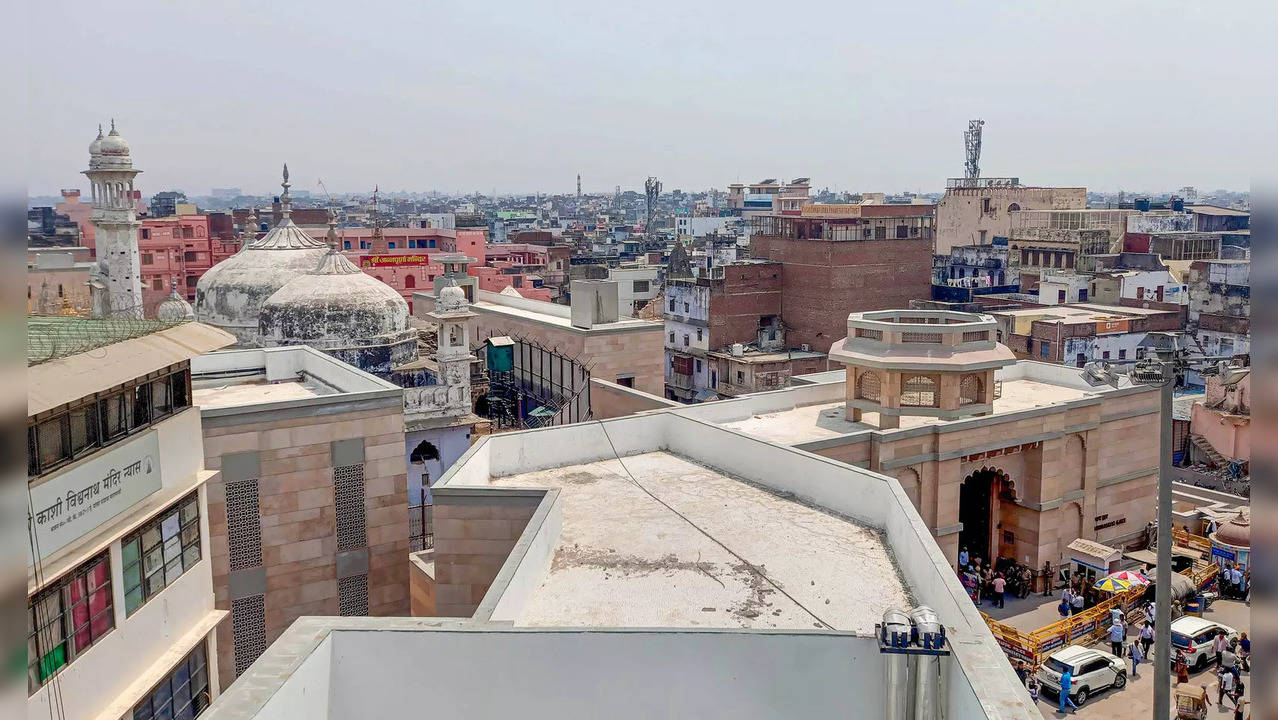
{"x":88,"y":495}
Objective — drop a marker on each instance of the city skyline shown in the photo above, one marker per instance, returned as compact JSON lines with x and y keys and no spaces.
{"x":514,"y":100}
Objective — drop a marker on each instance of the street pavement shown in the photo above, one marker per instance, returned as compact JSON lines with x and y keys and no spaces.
{"x":1136,"y":700}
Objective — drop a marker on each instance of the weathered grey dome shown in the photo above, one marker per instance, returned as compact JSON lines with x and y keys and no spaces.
{"x":230,"y":295}
{"x":334,"y":306}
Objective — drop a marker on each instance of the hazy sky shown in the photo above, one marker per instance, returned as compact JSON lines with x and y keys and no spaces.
{"x":522,"y":96}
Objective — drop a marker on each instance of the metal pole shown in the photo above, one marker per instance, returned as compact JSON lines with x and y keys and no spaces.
{"x":1162,"y":584}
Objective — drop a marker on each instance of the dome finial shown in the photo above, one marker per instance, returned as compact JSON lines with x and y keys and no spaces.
{"x":173,"y":286}
{"x":285,"y":200}
{"x":99,"y":131}
{"x":113,"y":132}
{"x":333,"y":244}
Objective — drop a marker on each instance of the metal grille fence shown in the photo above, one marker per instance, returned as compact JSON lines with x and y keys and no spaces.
{"x":421,"y":531}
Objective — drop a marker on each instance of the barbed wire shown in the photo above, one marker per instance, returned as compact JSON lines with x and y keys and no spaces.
{"x":59,"y":335}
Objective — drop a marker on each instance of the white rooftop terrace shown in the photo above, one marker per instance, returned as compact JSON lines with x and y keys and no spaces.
{"x":752,"y":527}
{"x":297,"y":376}
{"x":682,"y":545}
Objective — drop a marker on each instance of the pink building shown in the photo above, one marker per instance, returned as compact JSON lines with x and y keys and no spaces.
{"x":181,"y":247}
{"x":79,"y":212}
{"x":1223,"y":419}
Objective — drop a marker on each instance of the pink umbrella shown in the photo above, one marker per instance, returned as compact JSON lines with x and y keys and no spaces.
{"x":1130,"y":576}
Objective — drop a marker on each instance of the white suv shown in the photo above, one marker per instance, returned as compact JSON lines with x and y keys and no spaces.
{"x":1092,"y":670}
{"x":1193,"y":635}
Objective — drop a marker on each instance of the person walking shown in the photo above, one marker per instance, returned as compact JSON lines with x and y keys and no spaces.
{"x":1229,"y":661}
{"x":1032,"y":685}
{"x":1236,"y":579}
{"x":1147,"y":636}
{"x":1067,"y":679}
{"x":1067,"y":601}
{"x":1116,"y":634}
{"x":1134,"y":651}
{"x":1182,"y":667}
{"x":1000,"y":586}
{"x":963,"y":557}
{"x":1244,"y":651}
{"x":1218,"y":645}
{"x":1225,"y":686}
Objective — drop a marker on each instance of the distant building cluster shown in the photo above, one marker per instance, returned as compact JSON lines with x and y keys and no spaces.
{"x":365,"y":455}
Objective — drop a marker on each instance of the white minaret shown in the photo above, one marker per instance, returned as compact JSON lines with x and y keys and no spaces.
{"x":453,"y":347}
{"x":111,"y":174}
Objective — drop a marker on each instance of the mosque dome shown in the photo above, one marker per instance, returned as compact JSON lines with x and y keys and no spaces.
{"x":334,"y":306}
{"x":231,"y":294}
{"x":174,"y":308}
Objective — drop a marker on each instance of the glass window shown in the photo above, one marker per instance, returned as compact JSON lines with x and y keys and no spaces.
{"x":114,"y":411}
{"x":52,"y":438}
{"x":183,"y":695}
{"x":159,"y":552}
{"x":84,"y":428}
{"x":66,"y":619}
{"x":141,"y":406}
{"x":161,"y":397}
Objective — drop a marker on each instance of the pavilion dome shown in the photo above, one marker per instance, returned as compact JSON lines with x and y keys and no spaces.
{"x":174,"y":308}
{"x":1236,"y":532}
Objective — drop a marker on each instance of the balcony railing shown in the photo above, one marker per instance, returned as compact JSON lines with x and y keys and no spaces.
{"x":679,"y":380}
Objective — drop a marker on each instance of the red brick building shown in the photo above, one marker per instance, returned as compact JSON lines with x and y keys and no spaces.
{"x":878,"y":260}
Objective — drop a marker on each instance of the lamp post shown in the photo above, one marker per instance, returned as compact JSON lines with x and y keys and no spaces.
{"x":1163,"y":375}
{"x":1160,"y":373}
{"x":1161,"y":370}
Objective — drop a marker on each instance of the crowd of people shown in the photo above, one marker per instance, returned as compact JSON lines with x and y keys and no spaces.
{"x":981,"y":580}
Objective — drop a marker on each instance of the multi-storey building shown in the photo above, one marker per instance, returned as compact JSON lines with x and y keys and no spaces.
{"x":724,"y":333}
{"x":179,"y":248}
{"x":120,"y":598}
{"x":1220,"y":308}
{"x":627,"y":351}
{"x":309,"y":514}
{"x":878,"y":258}
{"x":974,"y":212}
{"x":1075,"y":334}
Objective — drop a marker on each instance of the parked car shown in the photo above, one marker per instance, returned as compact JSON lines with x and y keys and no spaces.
{"x":1193,"y":635}
{"x":1093,"y":671}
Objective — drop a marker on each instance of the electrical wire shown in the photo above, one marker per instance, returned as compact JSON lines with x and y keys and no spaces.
{"x":753,"y":568}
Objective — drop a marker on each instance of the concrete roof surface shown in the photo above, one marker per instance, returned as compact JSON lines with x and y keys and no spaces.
{"x":228,"y":393}
{"x":807,"y":423}
{"x":695,"y":548}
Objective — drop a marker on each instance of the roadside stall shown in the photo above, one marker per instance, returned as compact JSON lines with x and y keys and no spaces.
{"x":1089,"y":560}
